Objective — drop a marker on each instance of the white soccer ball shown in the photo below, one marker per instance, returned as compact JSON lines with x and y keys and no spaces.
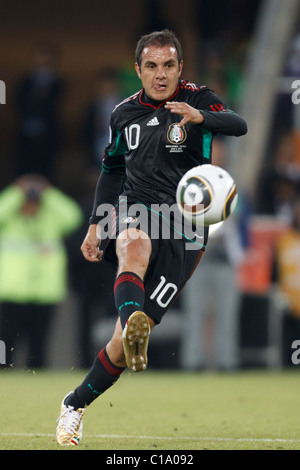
{"x":206,"y":195}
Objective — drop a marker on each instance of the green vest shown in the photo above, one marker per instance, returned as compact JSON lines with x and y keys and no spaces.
{"x":33,"y":258}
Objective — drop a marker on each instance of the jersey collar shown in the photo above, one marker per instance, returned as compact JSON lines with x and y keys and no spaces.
{"x":153,"y":104}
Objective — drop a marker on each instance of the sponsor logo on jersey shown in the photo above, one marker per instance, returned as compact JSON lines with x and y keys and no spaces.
{"x":129,"y":220}
{"x":153,"y":122}
{"x":176,"y":135}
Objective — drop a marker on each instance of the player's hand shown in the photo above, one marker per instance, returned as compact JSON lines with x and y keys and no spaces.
{"x":90,"y":245}
{"x":188,"y":113}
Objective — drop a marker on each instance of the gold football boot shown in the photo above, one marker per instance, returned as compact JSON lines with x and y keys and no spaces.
{"x":135,"y":341}
{"x":69,"y":428}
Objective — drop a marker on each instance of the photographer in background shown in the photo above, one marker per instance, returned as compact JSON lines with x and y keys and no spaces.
{"x":35,"y":218}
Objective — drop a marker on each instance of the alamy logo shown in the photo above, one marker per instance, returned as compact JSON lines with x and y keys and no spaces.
{"x":296,"y":93}
{"x":295,"y":356}
{"x":2,"y":352}
{"x":158,"y":221}
{"x":2,"y":92}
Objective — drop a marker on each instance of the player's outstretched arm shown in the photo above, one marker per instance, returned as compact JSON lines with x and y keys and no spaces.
{"x":219,"y":120}
{"x":90,"y":246}
{"x":188,"y":113}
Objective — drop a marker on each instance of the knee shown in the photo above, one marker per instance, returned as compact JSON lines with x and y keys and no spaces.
{"x":134,"y":255}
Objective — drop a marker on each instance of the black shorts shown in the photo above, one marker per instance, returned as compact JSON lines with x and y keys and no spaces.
{"x":173,"y":259}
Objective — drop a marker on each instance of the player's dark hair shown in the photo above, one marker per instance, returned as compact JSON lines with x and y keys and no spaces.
{"x":160,"y":39}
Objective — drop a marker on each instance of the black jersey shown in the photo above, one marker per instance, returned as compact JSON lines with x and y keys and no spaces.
{"x":148,"y":153}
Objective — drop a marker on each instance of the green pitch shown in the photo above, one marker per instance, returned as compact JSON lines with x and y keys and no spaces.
{"x":157,"y":411}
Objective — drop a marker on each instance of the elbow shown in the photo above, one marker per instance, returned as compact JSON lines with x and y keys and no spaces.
{"x":243,"y":129}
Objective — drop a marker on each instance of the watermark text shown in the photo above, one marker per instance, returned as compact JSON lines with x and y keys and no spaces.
{"x":2,"y":352}
{"x":296,"y":93}
{"x":2,"y":92}
{"x":158,"y":221}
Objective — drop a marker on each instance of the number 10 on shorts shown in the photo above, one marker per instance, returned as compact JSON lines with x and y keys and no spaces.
{"x":164,"y":292}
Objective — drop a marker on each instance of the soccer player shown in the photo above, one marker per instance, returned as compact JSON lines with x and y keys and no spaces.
{"x":157,"y":135}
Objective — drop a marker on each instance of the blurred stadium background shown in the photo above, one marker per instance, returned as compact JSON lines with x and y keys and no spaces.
{"x":249,"y":53}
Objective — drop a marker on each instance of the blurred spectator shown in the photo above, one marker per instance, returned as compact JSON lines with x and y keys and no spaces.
{"x":212,"y":293}
{"x":97,"y":116}
{"x":223,"y":70}
{"x":281,"y":183}
{"x":34,"y":219}
{"x":129,"y":81}
{"x":214,"y":69}
{"x":92,"y":282}
{"x":235,"y":66}
{"x":288,"y":274}
{"x":292,"y":68}
{"x":284,"y":112}
{"x":155,"y":17}
{"x":38,"y":100}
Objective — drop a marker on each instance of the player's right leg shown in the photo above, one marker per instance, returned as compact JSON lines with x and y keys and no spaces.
{"x":135,"y":341}
{"x":133,"y":250}
{"x":131,"y":343}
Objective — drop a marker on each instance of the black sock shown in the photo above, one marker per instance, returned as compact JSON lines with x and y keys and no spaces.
{"x":102,"y":375}
{"x":129,"y":295}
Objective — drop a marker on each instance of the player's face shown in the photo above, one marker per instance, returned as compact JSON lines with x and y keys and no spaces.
{"x":159,"y":71}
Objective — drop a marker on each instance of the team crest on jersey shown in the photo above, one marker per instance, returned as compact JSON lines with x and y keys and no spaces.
{"x":129,"y":220}
{"x":176,"y":135}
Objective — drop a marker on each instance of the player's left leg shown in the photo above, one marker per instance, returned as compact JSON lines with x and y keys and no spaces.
{"x":129,"y":342}
{"x":101,"y":376}
{"x":105,"y":371}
